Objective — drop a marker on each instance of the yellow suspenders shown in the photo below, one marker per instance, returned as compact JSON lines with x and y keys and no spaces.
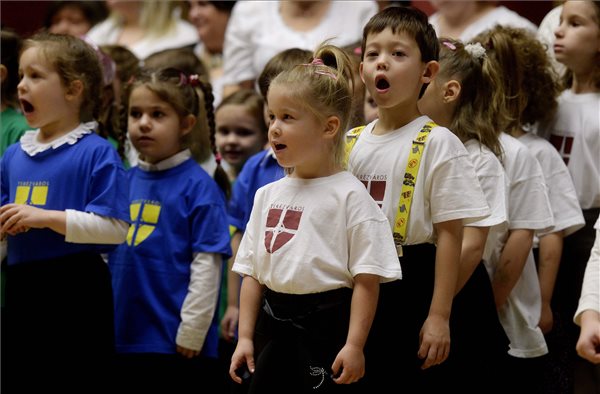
{"x":410,"y":178}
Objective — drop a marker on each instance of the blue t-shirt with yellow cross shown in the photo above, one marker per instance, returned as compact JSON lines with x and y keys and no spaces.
{"x":174,"y":213}
{"x":87,"y":176}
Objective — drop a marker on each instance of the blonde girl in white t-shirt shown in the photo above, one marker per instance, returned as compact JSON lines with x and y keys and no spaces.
{"x":466,"y":97}
{"x":316,"y":246}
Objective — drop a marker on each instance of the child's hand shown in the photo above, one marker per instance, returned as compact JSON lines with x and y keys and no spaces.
{"x":187,"y":353}
{"x":351,"y":361}
{"x":588,"y":344}
{"x":435,"y":341}
{"x":229,"y":323}
{"x":243,"y":355}
{"x":18,"y":218}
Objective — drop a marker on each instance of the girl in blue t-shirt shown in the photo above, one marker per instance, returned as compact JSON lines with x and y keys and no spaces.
{"x":63,"y":203}
{"x":166,"y":275}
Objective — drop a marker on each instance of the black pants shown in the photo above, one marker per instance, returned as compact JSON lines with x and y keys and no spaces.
{"x":297,"y":339}
{"x":57,"y":326}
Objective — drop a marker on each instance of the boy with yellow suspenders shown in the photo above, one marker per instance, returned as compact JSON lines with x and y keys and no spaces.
{"x":420,"y":176}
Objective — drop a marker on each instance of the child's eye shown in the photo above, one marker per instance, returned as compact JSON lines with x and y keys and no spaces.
{"x":287,"y":116}
{"x":157,"y":114}
{"x":398,"y":53}
{"x":134,"y":114}
{"x":371,"y":54}
{"x":271,"y":117}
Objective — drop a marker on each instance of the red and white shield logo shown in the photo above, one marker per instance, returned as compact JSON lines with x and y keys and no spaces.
{"x":281,"y":227}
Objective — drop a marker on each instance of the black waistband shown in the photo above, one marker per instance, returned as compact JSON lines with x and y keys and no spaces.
{"x":283,"y":306}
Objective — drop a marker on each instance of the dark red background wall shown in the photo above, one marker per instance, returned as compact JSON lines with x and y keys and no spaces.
{"x":25,"y":17}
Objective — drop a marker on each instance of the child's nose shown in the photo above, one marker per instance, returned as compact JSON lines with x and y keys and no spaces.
{"x":382,"y":63}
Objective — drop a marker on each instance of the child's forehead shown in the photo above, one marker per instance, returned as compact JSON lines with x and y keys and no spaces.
{"x":390,"y":36}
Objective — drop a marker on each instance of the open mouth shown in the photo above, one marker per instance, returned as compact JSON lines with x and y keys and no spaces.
{"x":279,"y":147}
{"x":26,"y":106}
{"x":381,"y":83}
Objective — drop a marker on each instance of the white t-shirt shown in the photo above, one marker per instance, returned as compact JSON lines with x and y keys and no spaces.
{"x":498,"y":16}
{"x":528,"y":208}
{"x":561,"y":192}
{"x":446,"y":189}
{"x":575,"y":133}
{"x":256,"y":32}
{"x":494,"y":183}
{"x":590,"y":289}
{"x":314,"y":235}
{"x":108,"y":32}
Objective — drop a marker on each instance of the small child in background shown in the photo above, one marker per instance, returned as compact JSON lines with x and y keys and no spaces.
{"x":12,"y":122}
{"x":316,"y":245}
{"x":511,"y":264}
{"x":127,"y":65}
{"x":241,"y":129}
{"x":466,"y":97}
{"x":166,"y":276}
{"x":75,"y":18}
{"x":421,"y":176}
{"x":259,"y":170}
{"x":575,"y":133}
{"x":63,"y":195}
{"x":540,"y":89}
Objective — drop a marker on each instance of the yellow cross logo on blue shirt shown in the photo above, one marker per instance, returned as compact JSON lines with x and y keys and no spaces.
{"x":142,"y":224}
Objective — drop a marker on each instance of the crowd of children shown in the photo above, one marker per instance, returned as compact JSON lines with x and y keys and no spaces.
{"x":412,"y":212}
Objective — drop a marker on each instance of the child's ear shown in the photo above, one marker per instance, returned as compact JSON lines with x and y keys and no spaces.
{"x":74,"y":90}
{"x":3,"y":73}
{"x":187,"y":124}
{"x":332,"y":126}
{"x":451,"y":91}
{"x":430,"y":71}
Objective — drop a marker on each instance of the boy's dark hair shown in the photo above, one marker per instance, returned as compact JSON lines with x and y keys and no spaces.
{"x":405,"y":20}
{"x":284,"y":60}
{"x":11,"y":47}
{"x":226,"y":6}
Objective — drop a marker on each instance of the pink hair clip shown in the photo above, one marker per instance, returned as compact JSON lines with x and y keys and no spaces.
{"x":218,"y":158}
{"x":318,"y":62}
{"x":449,"y":45}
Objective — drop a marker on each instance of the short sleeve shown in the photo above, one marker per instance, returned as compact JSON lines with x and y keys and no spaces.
{"x":108,"y":187}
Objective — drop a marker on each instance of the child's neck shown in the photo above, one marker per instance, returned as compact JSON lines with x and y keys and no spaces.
{"x":391,"y":119}
{"x":53,"y":132}
{"x":584,"y":83}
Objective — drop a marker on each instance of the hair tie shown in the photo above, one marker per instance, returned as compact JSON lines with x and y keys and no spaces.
{"x":450,"y":45}
{"x":182,"y":79}
{"x":192,"y":80}
{"x":318,"y":62}
{"x":475,"y":50}
{"x":218,"y":158}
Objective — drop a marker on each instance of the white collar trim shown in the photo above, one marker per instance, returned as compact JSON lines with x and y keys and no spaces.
{"x":165,"y":164}
{"x":31,"y":145}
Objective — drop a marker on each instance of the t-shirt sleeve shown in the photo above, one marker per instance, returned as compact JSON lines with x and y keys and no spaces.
{"x":108,"y":187}
{"x":210,"y":230}
{"x":245,"y":259}
{"x":372,"y":250}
